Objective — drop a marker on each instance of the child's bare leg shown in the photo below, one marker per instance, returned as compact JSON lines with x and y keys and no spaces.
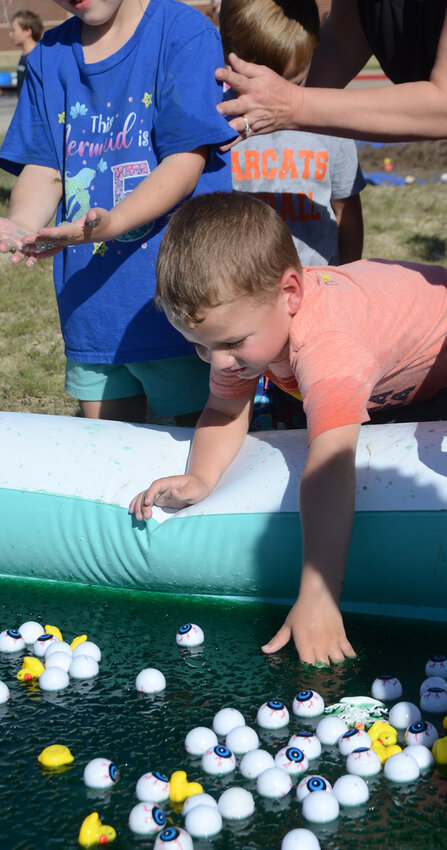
{"x":132,"y":409}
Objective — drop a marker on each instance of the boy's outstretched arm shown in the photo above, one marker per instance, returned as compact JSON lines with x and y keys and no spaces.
{"x":218,"y":437}
{"x":169,"y":183}
{"x":34,"y":200}
{"x":327,"y":494}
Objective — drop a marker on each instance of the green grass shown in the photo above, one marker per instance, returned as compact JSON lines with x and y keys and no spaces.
{"x":402,"y":223}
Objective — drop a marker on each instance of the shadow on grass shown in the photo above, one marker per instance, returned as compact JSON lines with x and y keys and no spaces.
{"x":428,"y":248}
{"x":5,"y":195}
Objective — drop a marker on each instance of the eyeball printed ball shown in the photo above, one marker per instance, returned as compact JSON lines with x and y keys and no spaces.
{"x":292,"y":760}
{"x":236,"y":803}
{"x":150,"y":681}
{"x":4,"y":692}
{"x":310,"y":784}
{"x":401,"y":768}
{"x":42,"y":643}
{"x":242,"y":739}
{"x":227,"y":719}
{"x":330,"y":729}
{"x":436,"y":666}
{"x":203,"y":821}
{"x":307,"y":742}
{"x":83,"y":667}
{"x":53,"y":679}
{"x":218,"y":760}
{"x":352,"y":740}
{"x":422,"y":755}
{"x":87,"y":647}
{"x":198,"y":800}
{"x":189,"y":635}
{"x":386,"y":688}
{"x":402,"y":714}
{"x":300,"y":839}
{"x":30,"y":631}
{"x":100,"y":773}
{"x":273,"y":715}
{"x":274,"y":783}
{"x":351,"y":790}
{"x":307,"y":704}
{"x":434,"y":700}
{"x":152,"y":787}
{"x":421,"y":732}
{"x":146,"y":819}
{"x":11,"y":641}
{"x":173,"y":836}
{"x":255,"y":762}
{"x":432,"y":682}
{"x":363,"y":762}
{"x":199,"y":740}
{"x":320,"y":807}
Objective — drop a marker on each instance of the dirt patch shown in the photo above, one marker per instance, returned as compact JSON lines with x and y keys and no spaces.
{"x":421,"y":160}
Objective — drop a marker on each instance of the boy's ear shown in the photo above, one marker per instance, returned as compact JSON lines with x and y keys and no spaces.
{"x":292,"y":290}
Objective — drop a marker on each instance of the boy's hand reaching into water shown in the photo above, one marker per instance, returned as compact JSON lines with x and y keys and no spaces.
{"x":316,"y":626}
{"x":176,"y":491}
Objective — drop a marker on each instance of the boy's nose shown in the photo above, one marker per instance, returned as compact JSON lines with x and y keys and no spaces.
{"x":222,"y":359}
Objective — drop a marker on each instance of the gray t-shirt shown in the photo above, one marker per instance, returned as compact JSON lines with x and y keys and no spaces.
{"x":297,"y":174}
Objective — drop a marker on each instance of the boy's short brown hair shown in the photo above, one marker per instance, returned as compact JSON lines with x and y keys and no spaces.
{"x":29,"y":21}
{"x":218,"y":247}
{"x":281,"y":34}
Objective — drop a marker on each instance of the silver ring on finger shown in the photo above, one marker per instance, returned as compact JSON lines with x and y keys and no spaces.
{"x":247,"y":125}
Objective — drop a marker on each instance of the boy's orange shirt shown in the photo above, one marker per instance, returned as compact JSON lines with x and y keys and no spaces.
{"x":368,"y":335}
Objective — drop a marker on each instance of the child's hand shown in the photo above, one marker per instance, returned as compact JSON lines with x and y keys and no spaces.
{"x":176,"y":491}
{"x":91,"y":227}
{"x":11,"y":241}
{"x":317,"y":630}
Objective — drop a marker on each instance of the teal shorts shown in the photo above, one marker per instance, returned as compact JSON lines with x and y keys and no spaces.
{"x":172,"y":386}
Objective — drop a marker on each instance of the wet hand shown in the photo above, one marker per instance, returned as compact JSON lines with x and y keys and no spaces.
{"x":176,"y":491}
{"x":86,"y":229}
{"x":11,"y":242}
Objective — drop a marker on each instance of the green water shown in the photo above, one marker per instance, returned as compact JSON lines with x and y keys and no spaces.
{"x":41,"y":810}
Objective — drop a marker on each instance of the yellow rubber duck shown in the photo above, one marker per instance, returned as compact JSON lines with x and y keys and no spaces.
{"x":384,"y":738}
{"x":55,"y":756}
{"x":439,"y":750}
{"x":94,"y":832}
{"x":53,"y":630}
{"x":77,"y":640}
{"x":180,"y":789}
{"x":31,"y":669}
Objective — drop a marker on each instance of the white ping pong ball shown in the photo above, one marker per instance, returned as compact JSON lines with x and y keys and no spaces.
{"x":189,"y":635}
{"x":203,"y":821}
{"x":330,"y":729}
{"x":31,"y":630}
{"x":386,"y":688}
{"x":422,"y":755}
{"x":273,"y":782}
{"x":218,"y":760}
{"x":310,"y":784}
{"x":255,"y":762}
{"x":227,"y":719}
{"x":421,"y":732}
{"x":435,"y":666}
{"x":402,"y":714}
{"x":146,"y":819}
{"x":53,"y":679}
{"x":351,"y":790}
{"x":401,"y":768}
{"x":58,"y":659}
{"x":152,"y":787}
{"x":199,"y":740}
{"x":4,"y":692}
{"x":363,"y":762}
{"x":236,"y":803}
{"x":82,"y":667}
{"x":320,"y":807}
{"x":300,"y":839}
{"x":307,"y":742}
{"x":100,"y":773}
{"x":307,"y":704}
{"x":173,"y":836}
{"x":273,"y":715}
{"x":58,"y":646}
{"x":88,"y":648}
{"x":242,"y":739}
{"x":292,"y":760}
{"x":150,"y":681}
{"x":198,"y":800}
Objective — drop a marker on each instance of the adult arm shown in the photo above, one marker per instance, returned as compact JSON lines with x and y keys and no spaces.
{"x":406,"y":112}
{"x":34,"y":199}
{"x":168,"y":184}
{"x":218,"y":436}
{"x":327,"y":493}
{"x":348,"y":214}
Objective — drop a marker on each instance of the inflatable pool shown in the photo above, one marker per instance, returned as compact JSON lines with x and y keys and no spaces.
{"x":65,"y":486}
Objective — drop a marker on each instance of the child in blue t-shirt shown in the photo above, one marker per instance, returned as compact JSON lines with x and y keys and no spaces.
{"x":115,"y":125}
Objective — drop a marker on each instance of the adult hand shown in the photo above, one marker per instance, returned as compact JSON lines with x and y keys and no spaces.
{"x":317,"y":630}
{"x":176,"y":491}
{"x":265,"y":102}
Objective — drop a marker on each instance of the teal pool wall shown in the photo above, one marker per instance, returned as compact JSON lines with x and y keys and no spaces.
{"x":397,"y":562}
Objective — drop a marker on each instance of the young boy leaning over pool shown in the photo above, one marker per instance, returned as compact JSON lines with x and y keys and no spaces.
{"x":348,"y":339}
